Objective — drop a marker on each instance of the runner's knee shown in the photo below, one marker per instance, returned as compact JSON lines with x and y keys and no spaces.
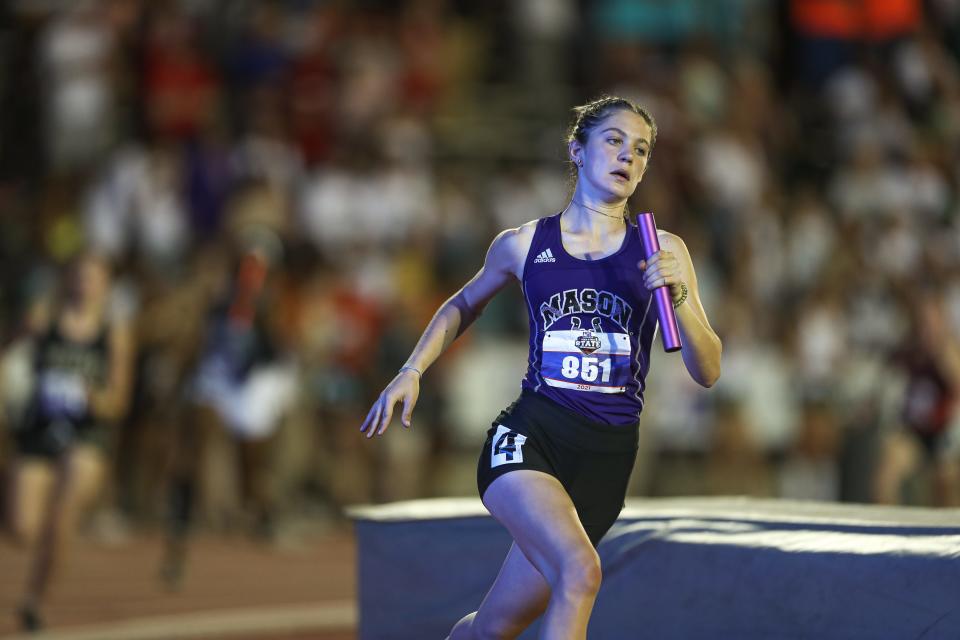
{"x":24,"y":531}
{"x":580,"y":573}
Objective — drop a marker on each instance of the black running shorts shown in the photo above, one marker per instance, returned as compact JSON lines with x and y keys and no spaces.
{"x":52,"y":440}
{"x":592,"y":460}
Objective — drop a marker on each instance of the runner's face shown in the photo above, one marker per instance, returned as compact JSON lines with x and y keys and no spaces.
{"x":615,"y":157}
{"x":92,"y":279}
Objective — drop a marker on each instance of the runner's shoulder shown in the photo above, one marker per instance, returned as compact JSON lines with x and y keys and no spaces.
{"x":514,"y":242}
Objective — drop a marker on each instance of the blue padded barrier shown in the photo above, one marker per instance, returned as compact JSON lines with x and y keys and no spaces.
{"x":711,"y":568}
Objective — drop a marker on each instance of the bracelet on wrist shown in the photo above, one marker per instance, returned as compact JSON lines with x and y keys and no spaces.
{"x":683,"y":295}
{"x":407,"y":367}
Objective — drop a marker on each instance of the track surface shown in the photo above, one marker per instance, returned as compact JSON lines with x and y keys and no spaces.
{"x":233,"y":588}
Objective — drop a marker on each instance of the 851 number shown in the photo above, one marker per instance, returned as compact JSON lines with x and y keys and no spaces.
{"x":586,"y":368}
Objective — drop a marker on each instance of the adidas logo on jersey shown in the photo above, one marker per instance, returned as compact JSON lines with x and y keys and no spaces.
{"x":545,"y":256}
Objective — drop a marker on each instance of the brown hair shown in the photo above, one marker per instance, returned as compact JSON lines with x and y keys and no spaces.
{"x":588,"y":116}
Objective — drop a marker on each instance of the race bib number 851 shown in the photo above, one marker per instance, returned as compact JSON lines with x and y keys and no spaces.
{"x":586,"y":360}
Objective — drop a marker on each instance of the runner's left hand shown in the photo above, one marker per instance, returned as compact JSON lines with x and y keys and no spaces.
{"x":662,"y":268}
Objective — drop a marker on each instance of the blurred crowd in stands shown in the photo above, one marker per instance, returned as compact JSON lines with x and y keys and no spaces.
{"x":286,"y":190}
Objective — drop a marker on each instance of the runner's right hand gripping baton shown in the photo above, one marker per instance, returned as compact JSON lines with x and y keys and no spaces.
{"x":647,"y":227}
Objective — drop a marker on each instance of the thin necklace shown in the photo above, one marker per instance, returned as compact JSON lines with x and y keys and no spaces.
{"x":622,"y":217}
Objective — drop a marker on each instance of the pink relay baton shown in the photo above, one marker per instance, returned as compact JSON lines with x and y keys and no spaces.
{"x":647,"y":227}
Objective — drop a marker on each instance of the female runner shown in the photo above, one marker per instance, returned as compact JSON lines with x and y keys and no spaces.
{"x":555,"y":467}
{"x":83,"y":370}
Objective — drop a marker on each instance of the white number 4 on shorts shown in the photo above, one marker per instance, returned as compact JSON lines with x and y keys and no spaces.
{"x":507,"y":447}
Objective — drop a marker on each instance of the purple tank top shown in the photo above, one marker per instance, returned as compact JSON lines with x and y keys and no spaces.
{"x":591,"y":326}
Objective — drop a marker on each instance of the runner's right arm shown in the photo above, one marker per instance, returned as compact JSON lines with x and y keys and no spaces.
{"x":505,"y":260}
